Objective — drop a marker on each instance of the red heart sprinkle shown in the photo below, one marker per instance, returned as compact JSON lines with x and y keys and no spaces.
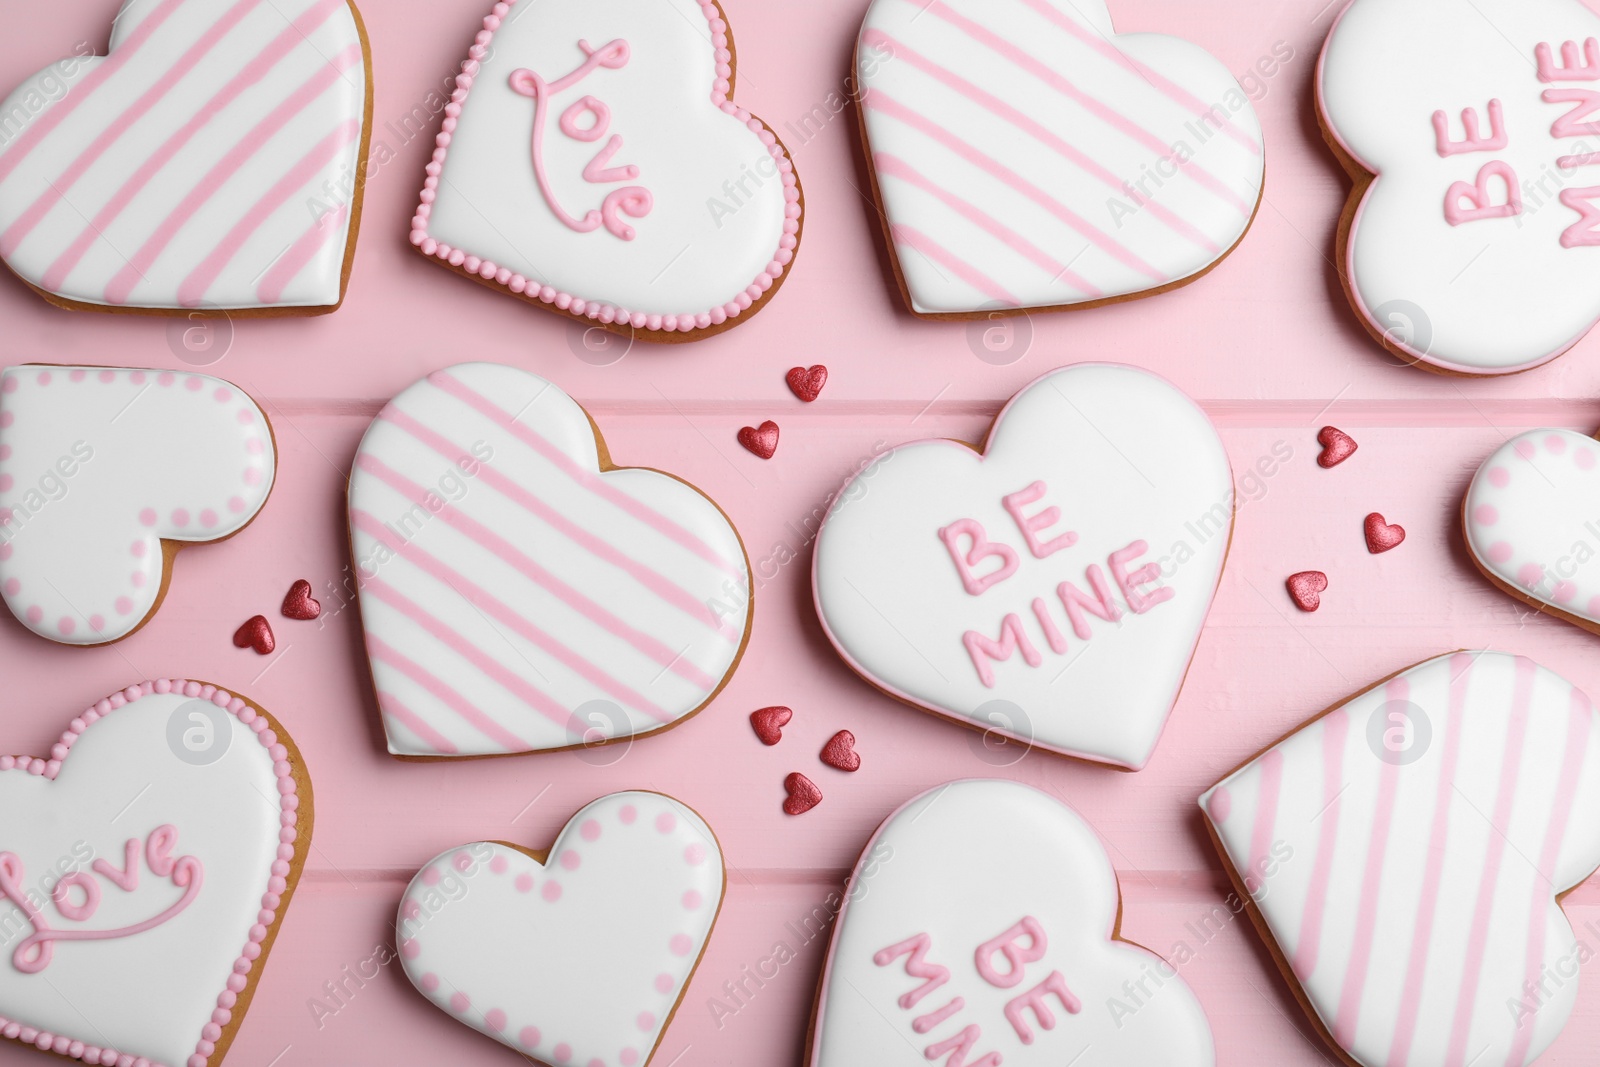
{"x":840,"y":752}
{"x":256,"y":634}
{"x":762,"y":441}
{"x":807,"y":382}
{"x":1381,"y":536}
{"x":768,"y":723}
{"x":1337,"y":446}
{"x":299,"y":603}
{"x":803,"y":794}
{"x":1306,"y":589}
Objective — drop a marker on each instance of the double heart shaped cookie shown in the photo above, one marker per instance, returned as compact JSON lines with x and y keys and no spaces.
{"x":210,"y":160}
{"x":521,"y":594}
{"x":577,"y":955}
{"x":1051,"y":588}
{"x":104,"y":475}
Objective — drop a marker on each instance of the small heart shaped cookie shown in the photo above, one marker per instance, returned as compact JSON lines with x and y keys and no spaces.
{"x":803,"y":794}
{"x":840,"y":752}
{"x":768,"y":723}
{"x":807,"y":382}
{"x":1306,"y":589}
{"x":298,"y":604}
{"x":760,"y":440}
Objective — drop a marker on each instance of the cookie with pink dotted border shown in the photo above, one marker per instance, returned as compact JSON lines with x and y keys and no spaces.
{"x":1532,"y":523}
{"x":104,"y":475}
{"x":575,"y":955}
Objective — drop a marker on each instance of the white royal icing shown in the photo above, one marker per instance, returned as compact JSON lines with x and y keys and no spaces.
{"x":979,"y":929}
{"x":685,"y":210}
{"x":97,"y":468}
{"x":207,"y":161}
{"x":1407,"y":851}
{"x":581,"y":959}
{"x":1127,"y":498}
{"x":517,"y":599}
{"x":1483,"y":103}
{"x":1029,"y":157}
{"x":1533,"y":519}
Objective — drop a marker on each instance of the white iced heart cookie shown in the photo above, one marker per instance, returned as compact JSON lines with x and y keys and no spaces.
{"x":104,"y":475}
{"x":592,"y":160}
{"x":1050,"y":589}
{"x":1407,"y":852}
{"x":210,"y":160}
{"x":1027,"y":156}
{"x":521,"y":594}
{"x":980,"y":928}
{"x":1531,"y":521}
{"x":1469,"y":240}
{"x":576,"y":955}
{"x":145,"y":865}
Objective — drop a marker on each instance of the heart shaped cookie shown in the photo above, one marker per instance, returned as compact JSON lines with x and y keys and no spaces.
{"x":521,"y":594}
{"x":209,"y":161}
{"x":1406,"y":853}
{"x":592,"y":160}
{"x":1531,"y":522}
{"x":1062,"y":572}
{"x":1026,"y":156}
{"x":1470,"y":235}
{"x":140,"y":926}
{"x":576,"y":955}
{"x":104,"y":475}
{"x":981,"y":928}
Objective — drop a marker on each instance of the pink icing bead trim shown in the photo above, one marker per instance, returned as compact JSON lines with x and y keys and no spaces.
{"x":271,"y":900}
{"x":609,"y":314}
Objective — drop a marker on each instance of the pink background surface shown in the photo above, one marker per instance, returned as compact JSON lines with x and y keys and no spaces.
{"x":1266,"y":343}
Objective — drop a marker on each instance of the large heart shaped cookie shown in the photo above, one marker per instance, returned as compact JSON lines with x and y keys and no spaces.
{"x":1531,"y":522}
{"x":1050,"y":589}
{"x":1469,"y":242}
{"x":518,"y":592}
{"x":1406,"y":853}
{"x":146,"y":865}
{"x":578,"y":955}
{"x":1027,"y":156}
{"x":210,"y":160}
{"x":981,"y":928}
{"x":592,"y":160}
{"x":104,"y":475}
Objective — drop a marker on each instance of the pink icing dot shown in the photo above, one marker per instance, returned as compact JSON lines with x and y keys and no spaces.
{"x":459,"y":1002}
{"x":628,"y":1057}
{"x":5,"y":482}
{"x":147,"y":517}
{"x":1499,"y":477}
{"x":562,"y":1052}
{"x":123,"y":605}
{"x":5,"y":451}
{"x":11,"y":384}
{"x":646,"y":1021}
{"x":139,"y":549}
{"x":692,"y":900}
{"x":664,"y":983}
{"x":5,"y":552}
{"x":680,"y":944}
{"x":108,"y":376}
{"x":252,"y":476}
{"x":1530,"y":575}
{"x":97,"y":623}
{"x":551,"y":891}
{"x":590,"y":830}
{"x":695,"y":854}
{"x":208,"y":518}
{"x":1525,"y":449}
{"x":528,"y":1036}
{"x":1221,"y":804}
{"x":13,"y":587}
{"x":410,"y":949}
{"x":236,"y":504}
{"x":6,"y":419}
{"x":429,"y":982}
{"x":666,"y":821}
{"x":462,"y":861}
{"x":1485,"y":515}
{"x":413,"y":910}
{"x":138,"y":579}
{"x":524,"y":883}
{"x":194,"y":384}
{"x":66,"y":626}
{"x":498,"y":865}
{"x":1499,"y":552}
{"x":1584,"y":458}
{"x":628,"y":814}
{"x":245,"y":416}
{"x":1565,"y":591}
{"x":570,"y":860}
{"x":180,"y":517}
{"x":1556,"y":444}
{"x":166,"y":378}
{"x":222,"y":395}
{"x":44,"y":377}
{"x":495,"y":1019}
{"x":431,"y":876}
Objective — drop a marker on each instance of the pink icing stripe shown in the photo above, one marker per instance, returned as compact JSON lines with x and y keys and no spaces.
{"x":251,"y":74}
{"x":55,"y":115}
{"x":1355,"y":974}
{"x":120,"y":125}
{"x":877,"y":100}
{"x":895,"y":167}
{"x":1335,"y":728}
{"x":396,"y":709}
{"x":657,"y":583}
{"x":292,"y":262}
{"x":591,"y":480}
{"x":913,"y":238}
{"x":463,"y":707}
{"x":479,"y":598}
{"x":1478,"y":940}
{"x":192,"y":290}
{"x":1266,"y":814}
{"x":1110,"y":116}
{"x":1580,"y":718}
{"x":480,"y":534}
{"x":326,"y":75}
{"x":1433,"y":872}
{"x":1175,"y":92}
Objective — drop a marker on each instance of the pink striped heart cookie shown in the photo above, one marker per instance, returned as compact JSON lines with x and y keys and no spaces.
{"x":519,"y":592}
{"x":212,"y":159}
{"x":1026,"y":156}
{"x":1407,"y":853}
{"x":576,"y":955}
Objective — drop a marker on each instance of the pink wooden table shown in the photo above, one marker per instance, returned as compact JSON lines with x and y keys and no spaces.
{"x":1266,"y":344}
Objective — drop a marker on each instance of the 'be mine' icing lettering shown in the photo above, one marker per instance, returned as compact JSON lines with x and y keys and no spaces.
{"x":1083,"y":545}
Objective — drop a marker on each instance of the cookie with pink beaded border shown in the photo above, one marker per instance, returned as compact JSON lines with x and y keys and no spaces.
{"x":576,"y":955}
{"x":105,"y":473}
{"x":583,"y":166}
{"x":166,"y":828}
